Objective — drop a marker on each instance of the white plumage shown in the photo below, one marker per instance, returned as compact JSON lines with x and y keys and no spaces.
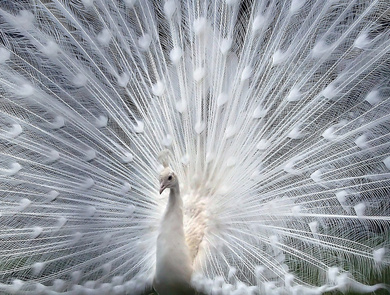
{"x":277,"y":117}
{"x":173,"y":260}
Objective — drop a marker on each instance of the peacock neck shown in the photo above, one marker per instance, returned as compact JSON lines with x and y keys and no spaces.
{"x":175,"y":205}
{"x":173,"y":262}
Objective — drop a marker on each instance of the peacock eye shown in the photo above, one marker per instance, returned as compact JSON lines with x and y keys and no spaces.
{"x":170,"y":177}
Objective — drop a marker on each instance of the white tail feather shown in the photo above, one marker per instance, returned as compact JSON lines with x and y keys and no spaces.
{"x":276,"y":117}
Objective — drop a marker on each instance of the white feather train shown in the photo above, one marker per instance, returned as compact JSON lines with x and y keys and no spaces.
{"x":277,"y":117}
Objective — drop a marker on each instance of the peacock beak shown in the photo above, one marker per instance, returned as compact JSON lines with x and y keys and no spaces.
{"x":162,"y":187}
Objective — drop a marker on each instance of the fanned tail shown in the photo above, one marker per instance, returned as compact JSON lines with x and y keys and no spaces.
{"x":276,"y":114}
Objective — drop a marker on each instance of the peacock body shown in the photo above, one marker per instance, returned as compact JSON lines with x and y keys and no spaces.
{"x":276,"y":115}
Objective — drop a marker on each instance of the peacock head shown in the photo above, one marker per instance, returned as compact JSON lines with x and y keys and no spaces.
{"x":168,"y":179}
